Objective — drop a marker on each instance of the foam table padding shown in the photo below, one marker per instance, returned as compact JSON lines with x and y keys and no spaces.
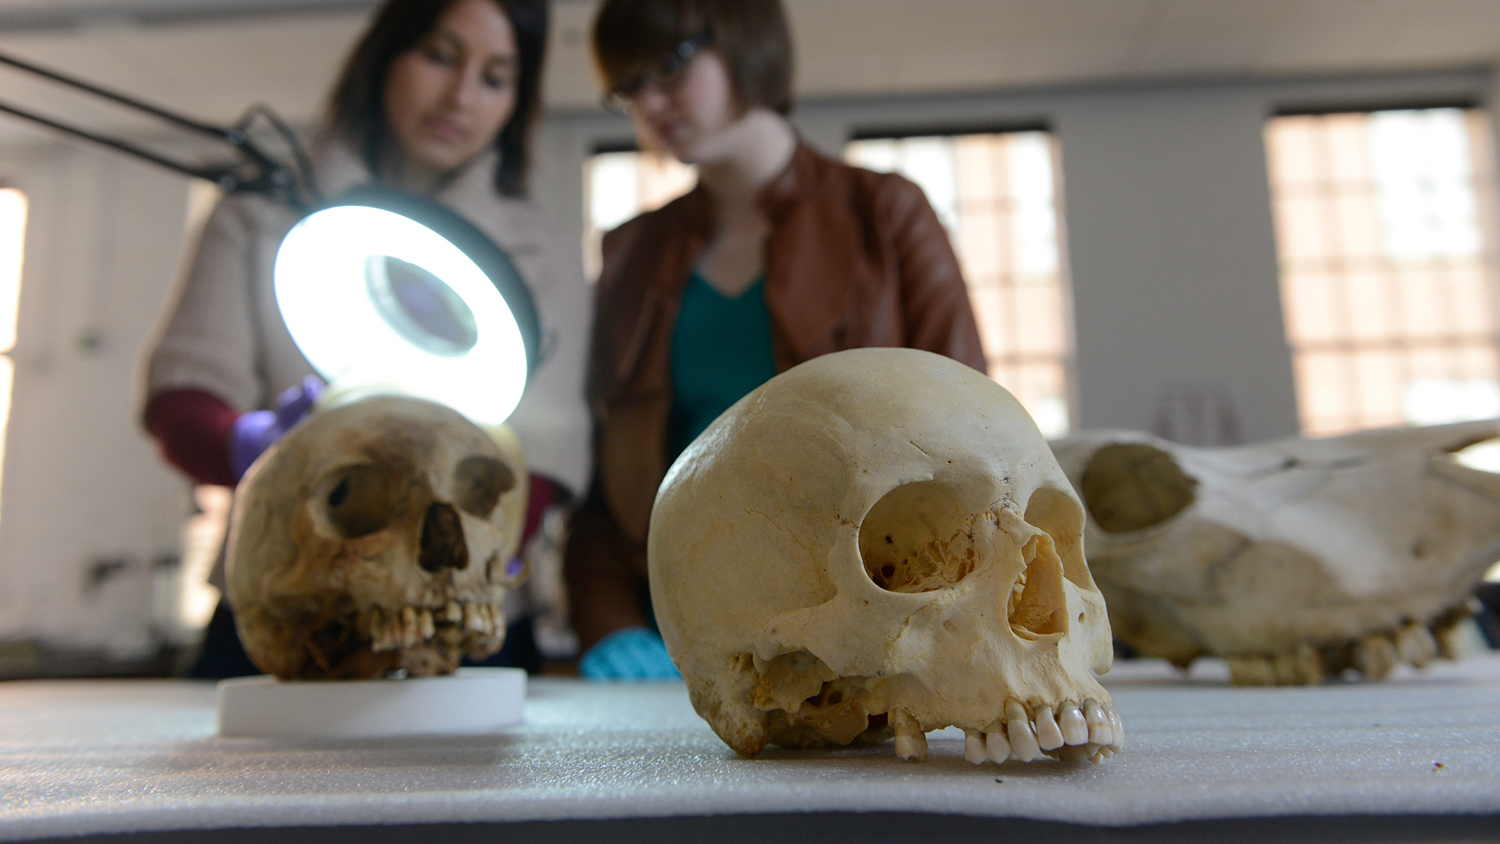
{"x":96,"y":757}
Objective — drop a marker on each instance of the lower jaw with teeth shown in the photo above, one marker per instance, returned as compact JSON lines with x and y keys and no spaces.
{"x":472,"y":623}
{"x":1075,"y":732}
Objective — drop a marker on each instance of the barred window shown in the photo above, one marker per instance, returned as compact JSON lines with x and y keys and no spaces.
{"x":996,"y":194}
{"x":1386,"y":260}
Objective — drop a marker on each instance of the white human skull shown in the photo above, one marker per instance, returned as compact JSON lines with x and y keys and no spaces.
{"x":1294,"y":559}
{"x":879,"y":540}
{"x":376,"y":537}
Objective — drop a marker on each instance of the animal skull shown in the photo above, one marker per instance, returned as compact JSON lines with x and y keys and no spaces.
{"x":878,"y":540}
{"x":376,"y":537}
{"x":1294,"y":559}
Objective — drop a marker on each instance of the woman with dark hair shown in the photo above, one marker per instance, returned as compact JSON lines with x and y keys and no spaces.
{"x":357,"y":107}
{"x":438,"y":98}
{"x":778,"y":254}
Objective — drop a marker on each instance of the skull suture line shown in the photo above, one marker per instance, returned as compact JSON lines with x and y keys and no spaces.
{"x":1294,"y":559}
{"x":878,"y":541}
{"x":375,"y":537}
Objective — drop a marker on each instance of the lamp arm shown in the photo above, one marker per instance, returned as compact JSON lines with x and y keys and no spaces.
{"x":269,"y":176}
{"x":303,"y":192}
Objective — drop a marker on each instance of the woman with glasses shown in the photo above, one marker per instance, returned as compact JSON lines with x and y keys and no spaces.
{"x":778,"y":254}
{"x":438,"y":98}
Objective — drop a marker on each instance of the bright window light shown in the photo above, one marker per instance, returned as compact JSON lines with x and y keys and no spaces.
{"x":620,"y":185}
{"x":1387,"y":275}
{"x":1424,"y":185}
{"x":12,"y":251}
{"x":12,"y":254}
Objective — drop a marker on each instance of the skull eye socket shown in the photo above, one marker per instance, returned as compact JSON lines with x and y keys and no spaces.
{"x":479,"y":482}
{"x":359,"y":500}
{"x":918,"y":538}
{"x":1133,"y":486}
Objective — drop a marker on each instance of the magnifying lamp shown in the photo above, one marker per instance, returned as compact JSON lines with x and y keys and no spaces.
{"x":382,"y":290}
{"x":385,"y":291}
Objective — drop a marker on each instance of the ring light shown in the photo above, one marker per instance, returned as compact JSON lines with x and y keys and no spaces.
{"x":387,"y":291}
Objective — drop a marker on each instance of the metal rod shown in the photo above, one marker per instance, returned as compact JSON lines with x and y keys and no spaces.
{"x":122,"y":99}
{"x":214,"y":174}
{"x":254,"y":171}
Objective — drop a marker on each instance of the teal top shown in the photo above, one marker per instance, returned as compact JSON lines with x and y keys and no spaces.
{"x":721,"y":350}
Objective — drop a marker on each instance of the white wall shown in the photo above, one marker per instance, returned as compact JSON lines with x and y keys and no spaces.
{"x":1169,"y":245}
{"x":1172,"y":258}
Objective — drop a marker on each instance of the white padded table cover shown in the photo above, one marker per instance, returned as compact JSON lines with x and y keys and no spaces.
{"x":92,"y":757}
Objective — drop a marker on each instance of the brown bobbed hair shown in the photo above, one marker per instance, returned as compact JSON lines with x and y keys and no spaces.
{"x":355,"y":112}
{"x":751,"y":35}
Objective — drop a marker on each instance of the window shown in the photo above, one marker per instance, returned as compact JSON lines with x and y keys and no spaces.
{"x":620,"y":185}
{"x":996,"y":194}
{"x":1386,"y":266}
{"x":12,"y":253}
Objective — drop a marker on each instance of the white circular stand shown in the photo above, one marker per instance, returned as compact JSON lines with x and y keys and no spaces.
{"x":474,"y":700}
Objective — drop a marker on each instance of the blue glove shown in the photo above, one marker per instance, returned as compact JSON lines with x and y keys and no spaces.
{"x":256,"y":430}
{"x":634,"y":653}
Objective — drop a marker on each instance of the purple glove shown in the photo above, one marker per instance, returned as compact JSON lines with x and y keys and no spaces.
{"x":254,"y":431}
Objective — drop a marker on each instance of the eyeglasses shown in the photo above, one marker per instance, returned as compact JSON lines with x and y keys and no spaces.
{"x":660,"y":75}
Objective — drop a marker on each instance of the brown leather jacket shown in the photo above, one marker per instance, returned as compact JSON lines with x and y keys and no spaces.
{"x":855,"y":258}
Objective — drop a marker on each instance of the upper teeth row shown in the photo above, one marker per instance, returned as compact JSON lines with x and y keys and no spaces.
{"x":1073,"y":732}
{"x":1374,"y":655}
{"x":404,"y":628}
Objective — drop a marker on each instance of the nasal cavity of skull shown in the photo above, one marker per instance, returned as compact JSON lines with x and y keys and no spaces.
{"x":360,"y":500}
{"x":1132,"y":486}
{"x":1036,"y":605}
{"x":442,"y":545}
{"x":478,"y":484}
{"x":1058,"y":514}
{"x":919,"y":538}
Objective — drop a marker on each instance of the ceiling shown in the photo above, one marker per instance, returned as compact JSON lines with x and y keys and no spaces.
{"x":210,"y":59}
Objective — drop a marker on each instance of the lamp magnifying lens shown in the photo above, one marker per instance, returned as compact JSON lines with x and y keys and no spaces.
{"x":389,"y":292}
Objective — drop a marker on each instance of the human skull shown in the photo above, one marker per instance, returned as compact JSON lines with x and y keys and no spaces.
{"x":878,"y":541}
{"x":376,"y":537}
{"x":1294,"y":559}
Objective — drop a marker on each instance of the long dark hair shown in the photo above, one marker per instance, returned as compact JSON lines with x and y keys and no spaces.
{"x":355,"y":112}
